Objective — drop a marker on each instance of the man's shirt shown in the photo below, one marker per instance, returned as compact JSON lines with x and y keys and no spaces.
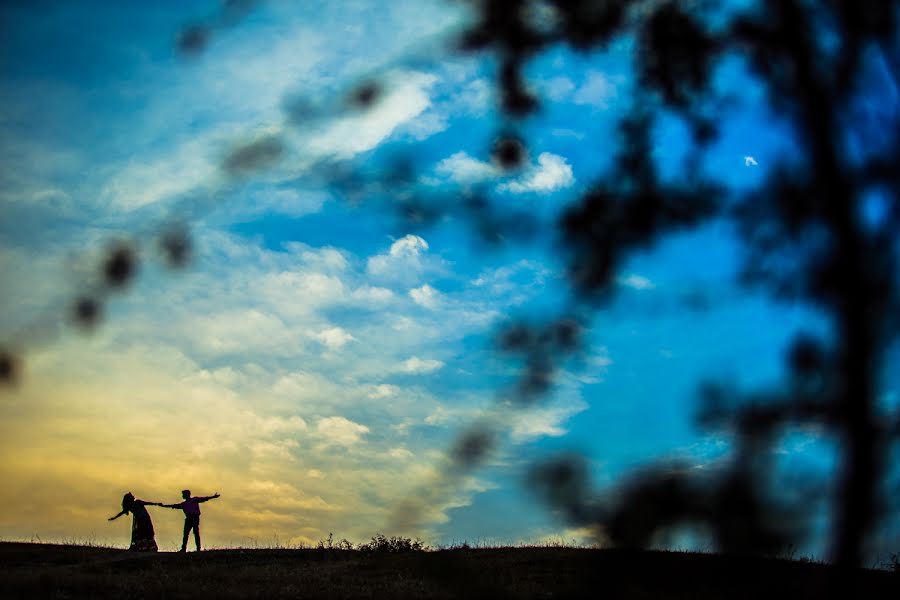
{"x":191,"y":506}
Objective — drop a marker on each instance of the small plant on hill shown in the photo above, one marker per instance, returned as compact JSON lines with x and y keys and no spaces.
{"x":331,"y":544}
{"x":381,"y":544}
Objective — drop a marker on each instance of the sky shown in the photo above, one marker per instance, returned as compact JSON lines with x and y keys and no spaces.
{"x":317,"y":358}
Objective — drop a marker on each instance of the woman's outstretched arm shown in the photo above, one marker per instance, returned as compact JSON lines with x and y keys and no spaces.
{"x":117,"y":516}
{"x":145,"y":503}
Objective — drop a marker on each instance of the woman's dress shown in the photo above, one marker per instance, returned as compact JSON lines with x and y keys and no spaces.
{"x":142,"y":534}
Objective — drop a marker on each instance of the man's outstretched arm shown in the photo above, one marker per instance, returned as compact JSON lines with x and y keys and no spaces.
{"x":205,"y":498}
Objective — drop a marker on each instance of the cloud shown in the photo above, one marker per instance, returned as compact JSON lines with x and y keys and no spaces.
{"x":558,"y":88}
{"x":456,"y":95}
{"x":341,"y":431}
{"x":546,"y":422}
{"x":462,"y":168}
{"x":405,"y":262}
{"x":418,"y":365}
{"x":269,"y":426}
{"x":400,"y":453}
{"x":287,"y":202}
{"x":383,"y":390}
{"x":749,"y":161}
{"x":597,"y":91}
{"x":408,"y":245}
{"x":426,"y":296}
{"x":136,"y":184}
{"x":637,"y":282}
{"x":552,"y":173}
{"x":406,"y":98}
{"x":334,"y":338}
{"x":239,"y":331}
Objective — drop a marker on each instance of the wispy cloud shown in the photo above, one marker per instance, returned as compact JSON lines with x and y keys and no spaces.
{"x":462,"y":168}
{"x":597,"y":90}
{"x":406,"y":97}
{"x":552,"y":173}
{"x":341,"y":431}
{"x":419,"y":366}
{"x":334,"y":337}
{"x":637,"y":282}
{"x":405,"y":262}
{"x":425,"y":296}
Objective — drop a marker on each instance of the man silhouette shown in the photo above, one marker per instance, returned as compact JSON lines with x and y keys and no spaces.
{"x":191,"y":508}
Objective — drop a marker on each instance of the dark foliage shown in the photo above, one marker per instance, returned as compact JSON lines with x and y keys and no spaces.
{"x":175,"y":246}
{"x":193,"y":39}
{"x":9,"y":368}
{"x":806,"y":243}
{"x":253,"y":156}
{"x":473,"y":446}
{"x":120,"y":265}
{"x":380,"y":544}
{"x":87,"y":311}
{"x":365,"y":95}
{"x":508,"y":152}
{"x":542,"y":349}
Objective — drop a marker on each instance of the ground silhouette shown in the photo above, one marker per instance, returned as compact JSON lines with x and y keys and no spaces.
{"x":44,"y":570}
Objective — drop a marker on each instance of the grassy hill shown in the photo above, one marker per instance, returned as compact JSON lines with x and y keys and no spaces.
{"x":52,"y":571}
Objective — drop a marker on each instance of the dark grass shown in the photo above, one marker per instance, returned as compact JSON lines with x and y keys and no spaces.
{"x":55,"y":571}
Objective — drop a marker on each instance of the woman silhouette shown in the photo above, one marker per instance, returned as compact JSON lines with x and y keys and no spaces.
{"x":142,"y":534}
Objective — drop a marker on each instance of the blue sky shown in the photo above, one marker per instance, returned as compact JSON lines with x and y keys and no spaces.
{"x":318,"y":357}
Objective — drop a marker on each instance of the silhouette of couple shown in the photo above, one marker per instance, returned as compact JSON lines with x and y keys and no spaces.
{"x":142,"y":534}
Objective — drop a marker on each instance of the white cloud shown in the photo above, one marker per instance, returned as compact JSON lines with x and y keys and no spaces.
{"x":136,"y":184}
{"x":597,"y":90}
{"x":269,"y":426}
{"x":517,"y":277}
{"x":601,"y":359}
{"x":419,"y":365}
{"x":282,"y":290}
{"x":405,"y":262}
{"x":239,"y":331}
{"x":407,"y":97}
{"x":341,"y":431}
{"x":455,"y":96}
{"x":383,"y":390}
{"x":475,"y":96}
{"x":334,"y":337}
{"x":462,"y":168}
{"x":373,"y":295}
{"x":408,"y":245}
{"x":400,"y":453}
{"x":558,"y":88}
{"x":749,"y":161}
{"x":552,"y":173}
{"x":287,"y":202}
{"x":426,"y":125}
{"x":637,"y":282}
{"x":426,"y":296}
{"x":328,"y":260}
{"x":546,"y":422}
